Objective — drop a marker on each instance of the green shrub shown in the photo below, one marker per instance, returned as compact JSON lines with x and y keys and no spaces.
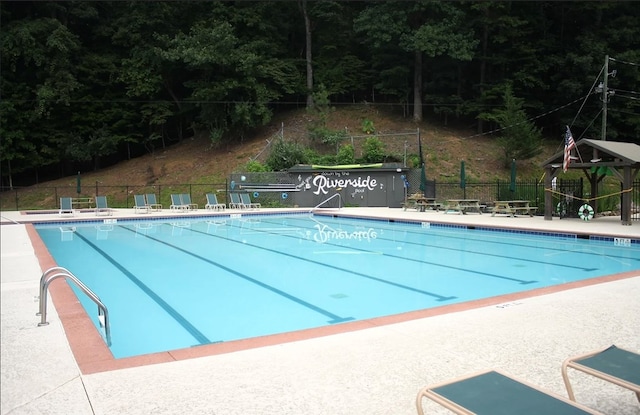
{"x":373,"y":150}
{"x":285,"y":154}
{"x":346,"y":155}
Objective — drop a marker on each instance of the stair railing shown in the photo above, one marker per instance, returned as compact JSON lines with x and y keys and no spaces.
{"x":57,"y":272}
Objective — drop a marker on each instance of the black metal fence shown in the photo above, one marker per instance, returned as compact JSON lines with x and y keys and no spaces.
{"x":568,"y":194}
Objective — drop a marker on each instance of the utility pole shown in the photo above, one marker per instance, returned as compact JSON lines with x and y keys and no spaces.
{"x":605,"y":98}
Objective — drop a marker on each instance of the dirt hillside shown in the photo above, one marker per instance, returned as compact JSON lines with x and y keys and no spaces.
{"x":197,"y":161}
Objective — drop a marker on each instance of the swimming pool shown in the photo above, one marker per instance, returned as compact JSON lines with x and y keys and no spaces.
{"x":179,"y":283}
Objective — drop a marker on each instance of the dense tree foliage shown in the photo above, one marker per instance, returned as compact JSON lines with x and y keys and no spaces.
{"x":84,"y":83}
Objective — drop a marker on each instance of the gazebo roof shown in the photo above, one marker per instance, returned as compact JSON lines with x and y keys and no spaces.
{"x":609,"y":153}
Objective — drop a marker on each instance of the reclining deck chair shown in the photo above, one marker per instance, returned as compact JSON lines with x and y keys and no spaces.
{"x":186,"y":200}
{"x":236,"y":203}
{"x":177,"y":204}
{"x":102,"y":208}
{"x":246,"y":200}
{"x":140,"y":204}
{"x":152,"y":203}
{"x":618,"y":366}
{"x":495,"y":393}
{"x":212,"y":203}
{"x":66,"y":207}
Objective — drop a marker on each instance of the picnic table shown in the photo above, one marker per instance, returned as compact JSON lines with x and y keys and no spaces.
{"x":80,"y":202}
{"x":421,"y":203}
{"x":513,"y":208}
{"x":462,"y":206}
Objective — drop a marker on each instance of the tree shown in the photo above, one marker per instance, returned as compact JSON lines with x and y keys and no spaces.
{"x":519,"y":138}
{"x":422,"y":28}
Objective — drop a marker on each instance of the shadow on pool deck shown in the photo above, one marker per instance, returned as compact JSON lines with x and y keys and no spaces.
{"x":374,"y":371}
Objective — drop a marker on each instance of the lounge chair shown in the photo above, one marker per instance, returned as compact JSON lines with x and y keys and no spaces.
{"x":613,"y":364}
{"x":176,"y":203}
{"x":102,"y":208}
{"x":186,"y":200}
{"x":140,"y":204}
{"x":212,"y":203}
{"x":246,"y":200}
{"x":66,"y":207}
{"x":236,"y":203}
{"x":496,"y":393}
{"x":152,"y":203}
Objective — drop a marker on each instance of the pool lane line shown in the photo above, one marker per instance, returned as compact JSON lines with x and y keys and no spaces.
{"x":527,"y":246}
{"x":334,"y":318}
{"x":348,"y":271}
{"x":437,"y":297}
{"x":420,"y":261}
{"x":197,"y":334}
{"x":560,"y":251}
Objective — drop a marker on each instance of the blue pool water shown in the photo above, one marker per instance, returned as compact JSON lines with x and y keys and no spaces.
{"x":176,"y":284}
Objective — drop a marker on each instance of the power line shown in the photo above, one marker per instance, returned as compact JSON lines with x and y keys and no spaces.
{"x":625,"y":62}
{"x":527,"y":120}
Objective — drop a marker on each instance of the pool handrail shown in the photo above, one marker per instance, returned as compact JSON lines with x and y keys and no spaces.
{"x":56,"y":272}
{"x":328,"y":199}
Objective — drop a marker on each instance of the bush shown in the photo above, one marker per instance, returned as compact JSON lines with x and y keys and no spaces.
{"x":373,"y":151}
{"x":346,"y":155}
{"x":285,"y":154}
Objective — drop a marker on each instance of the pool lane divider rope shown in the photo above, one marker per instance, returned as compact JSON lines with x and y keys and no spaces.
{"x":197,"y":334}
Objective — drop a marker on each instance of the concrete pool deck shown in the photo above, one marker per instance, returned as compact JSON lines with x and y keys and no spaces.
{"x":378,"y":370}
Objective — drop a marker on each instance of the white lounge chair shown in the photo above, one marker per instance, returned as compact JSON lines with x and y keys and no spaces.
{"x":212,"y":203}
{"x":66,"y":207}
{"x":236,"y":203}
{"x":186,"y":200}
{"x":246,"y":200}
{"x":152,"y":203}
{"x":177,"y":203}
{"x":140,"y":204}
{"x":102,"y":208}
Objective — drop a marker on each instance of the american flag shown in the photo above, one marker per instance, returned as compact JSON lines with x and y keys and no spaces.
{"x":568,"y":145}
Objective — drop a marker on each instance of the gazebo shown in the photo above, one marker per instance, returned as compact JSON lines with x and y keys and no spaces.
{"x":622,"y":159}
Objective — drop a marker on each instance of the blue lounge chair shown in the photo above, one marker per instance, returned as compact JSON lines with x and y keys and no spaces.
{"x":177,"y":204}
{"x":246,"y":200}
{"x":236,"y":203}
{"x":152,"y":203}
{"x":495,"y":393}
{"x":212,"y":203}
{"x":102,"y":208}
{"x":140,"y":204}
{"x":186,"y":200}
{"x":613,"y":364}
{"x":66,"y":207}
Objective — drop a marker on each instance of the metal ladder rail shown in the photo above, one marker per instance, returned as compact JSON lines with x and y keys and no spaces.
{"x":326,"y":200}
{"x":56,"y":272}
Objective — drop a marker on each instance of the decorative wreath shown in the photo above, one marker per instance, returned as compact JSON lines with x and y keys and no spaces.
{"x":585,"y":212}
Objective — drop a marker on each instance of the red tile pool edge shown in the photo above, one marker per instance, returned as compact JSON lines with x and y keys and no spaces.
{"x":93,"y":356}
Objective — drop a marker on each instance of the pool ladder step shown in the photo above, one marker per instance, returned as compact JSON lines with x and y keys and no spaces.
{"x":57,"y":272}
